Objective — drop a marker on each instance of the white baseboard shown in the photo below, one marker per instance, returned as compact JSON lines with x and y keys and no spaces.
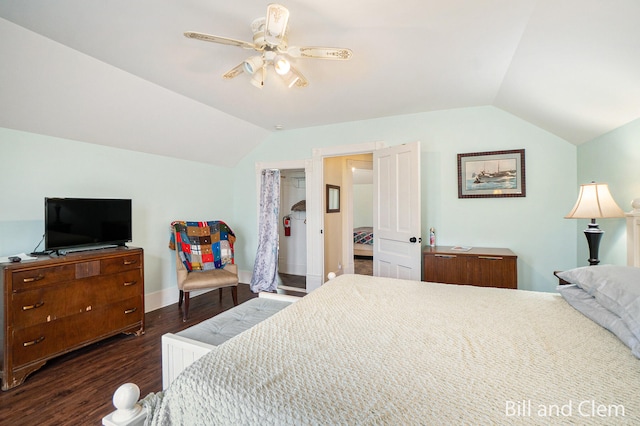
{"x":160,"y":299}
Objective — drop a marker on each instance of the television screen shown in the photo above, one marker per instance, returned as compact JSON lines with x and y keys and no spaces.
{"x":84,"y":222}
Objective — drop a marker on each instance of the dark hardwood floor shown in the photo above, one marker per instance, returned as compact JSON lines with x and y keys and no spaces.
{"x":76,"y":388}
{"x":295,"y":281}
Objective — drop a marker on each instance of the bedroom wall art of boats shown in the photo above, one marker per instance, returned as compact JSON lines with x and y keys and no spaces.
{"x":503,"y":179}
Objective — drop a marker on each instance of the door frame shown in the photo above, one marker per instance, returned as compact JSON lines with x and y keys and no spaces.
{"x":305,"y":164}
{"x":316,"y":276}
{"x":315,"y":217}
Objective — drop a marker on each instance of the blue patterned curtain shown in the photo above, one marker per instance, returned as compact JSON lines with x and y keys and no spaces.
{"x":265,"y":269}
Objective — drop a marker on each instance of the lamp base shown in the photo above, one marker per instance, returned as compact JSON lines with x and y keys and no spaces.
{"x":594,"y":235}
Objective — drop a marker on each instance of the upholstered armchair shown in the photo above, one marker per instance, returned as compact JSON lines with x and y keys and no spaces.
{"x":204,"y":259}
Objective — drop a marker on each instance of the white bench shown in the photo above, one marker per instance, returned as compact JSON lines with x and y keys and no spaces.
{"x":179,"y":350}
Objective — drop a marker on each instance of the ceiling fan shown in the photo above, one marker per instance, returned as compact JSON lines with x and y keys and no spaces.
{"x":270,"y":41}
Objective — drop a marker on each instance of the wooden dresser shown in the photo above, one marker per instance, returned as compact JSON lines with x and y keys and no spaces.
{"x":486,"y":267}
{"x":51,"y":306}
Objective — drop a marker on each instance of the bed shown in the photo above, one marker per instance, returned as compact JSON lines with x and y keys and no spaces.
{"x":363,"y":241}
{"x":368,"y":350}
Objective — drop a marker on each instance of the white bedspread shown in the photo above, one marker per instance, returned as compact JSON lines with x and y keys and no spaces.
{"x":382,"y":351}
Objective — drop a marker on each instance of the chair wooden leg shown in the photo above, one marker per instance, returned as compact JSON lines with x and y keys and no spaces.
{"x":185,"y":311}
{"x":234,"y":294}
{"x":180,"y":298}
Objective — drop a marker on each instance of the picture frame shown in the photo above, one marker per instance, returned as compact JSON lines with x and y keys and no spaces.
{"x":492,"y":174}
{"x":333,"y":199}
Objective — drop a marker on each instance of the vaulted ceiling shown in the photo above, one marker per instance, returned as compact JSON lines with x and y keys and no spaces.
{"x":571,"y":67}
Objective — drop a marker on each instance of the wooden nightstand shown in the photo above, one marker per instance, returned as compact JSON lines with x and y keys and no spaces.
{"x":485,"y":267}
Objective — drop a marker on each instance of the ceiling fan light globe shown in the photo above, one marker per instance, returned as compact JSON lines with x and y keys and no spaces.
{"x":253,"y":64}
{"x":281,"y":65}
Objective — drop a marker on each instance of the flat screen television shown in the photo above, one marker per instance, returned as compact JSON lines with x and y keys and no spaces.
{"x":73,"y":223}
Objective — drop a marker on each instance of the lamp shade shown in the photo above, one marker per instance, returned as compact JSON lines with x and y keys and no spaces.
{"x":595,"y":201}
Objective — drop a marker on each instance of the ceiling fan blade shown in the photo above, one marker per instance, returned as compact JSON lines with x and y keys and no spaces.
{"x":301,"y":81}
{"x":221,"y":40}
{"x":336,"y":53}
{"x":234,"y":72}
{"x":276,"y":25}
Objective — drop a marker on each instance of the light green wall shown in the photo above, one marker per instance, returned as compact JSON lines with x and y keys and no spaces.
{"x":162,"y":189}
{"x":362,"y":204}
{"x":613,"y":158}
{"x":533,"y":226}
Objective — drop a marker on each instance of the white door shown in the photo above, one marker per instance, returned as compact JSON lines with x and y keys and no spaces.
{"x":396,"y":217}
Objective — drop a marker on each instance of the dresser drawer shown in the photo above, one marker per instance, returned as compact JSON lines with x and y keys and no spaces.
{"x":42,"y":276}
{"x":60,"y":336}
{"x":121,"y":263}
{"x":120,"y":315}
{"x":47,"y":304}
{"x":495,"y":271}
{"x":47,"y":339}
{"x":108,"y":289}
{"x":445,"y":268}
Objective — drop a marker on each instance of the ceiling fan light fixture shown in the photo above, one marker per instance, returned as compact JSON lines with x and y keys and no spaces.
{"x":252,"y":64}
{"x":281,"y":65}
{"x":258,"y":78}
{"x":270,"y":41}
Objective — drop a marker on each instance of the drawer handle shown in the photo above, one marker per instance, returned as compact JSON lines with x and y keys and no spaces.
{"x":446,"y":256}
{"x":130,"y":311}
{"x":33,"y":342}
{"x":28,"y":307}
{"x":32,"y":279}
{"x":128,"y":283}
{"x":490,"y":257}
{"x":130,"y":262}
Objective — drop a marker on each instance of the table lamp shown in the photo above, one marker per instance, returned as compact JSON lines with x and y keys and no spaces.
{"x":594,"y":202}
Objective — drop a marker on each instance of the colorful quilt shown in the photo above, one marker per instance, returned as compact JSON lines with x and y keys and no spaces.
{"x":203,"y":246}
{"x":363,"y":235}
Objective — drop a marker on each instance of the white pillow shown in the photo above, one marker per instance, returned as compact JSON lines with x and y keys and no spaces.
{"x":589,"y":307}
{"x":616,"y":288}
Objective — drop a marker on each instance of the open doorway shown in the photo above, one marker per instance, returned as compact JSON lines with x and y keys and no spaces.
{"x":316,"y":270}
{"x":396,"y":213}
{"x":348,"y":231}
{"x":292,"y":232}
{"x":294,"y":265}
{"x":362,"y":214}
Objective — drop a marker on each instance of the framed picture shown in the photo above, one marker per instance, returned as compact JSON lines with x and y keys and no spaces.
{"x":333,"y":199}
{"x":492,"y":174}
